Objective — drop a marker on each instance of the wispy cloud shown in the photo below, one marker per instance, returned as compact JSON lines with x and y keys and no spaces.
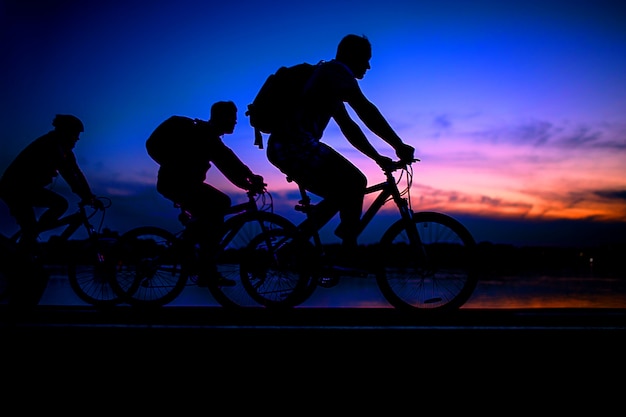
{"x":612,"y":194}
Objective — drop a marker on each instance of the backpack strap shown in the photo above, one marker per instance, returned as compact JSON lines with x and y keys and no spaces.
{"x":258,"y":138}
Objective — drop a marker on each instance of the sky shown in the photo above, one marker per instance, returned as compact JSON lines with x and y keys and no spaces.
{"x":516,"y":109}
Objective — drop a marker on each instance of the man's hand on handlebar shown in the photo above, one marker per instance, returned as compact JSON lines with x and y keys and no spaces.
{"x":93,"y":201}
{"x":257,"y":185}
{"x":384,"y":162}
{"x":390,"y":165}
{"x":406,"y":153}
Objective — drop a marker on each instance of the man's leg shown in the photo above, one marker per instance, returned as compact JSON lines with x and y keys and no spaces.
{"x":55,"y":203}
{"x":24,"y":215}
{"x":209,"y":205}
{"x":340,"y":182}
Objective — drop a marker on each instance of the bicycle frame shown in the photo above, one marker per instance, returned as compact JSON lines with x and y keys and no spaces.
{"x":249,"y":206}
{"x":386,"y":189}
{"x":73,"y":222}
{"x":87,"y":268}
{"x":246,"y":206}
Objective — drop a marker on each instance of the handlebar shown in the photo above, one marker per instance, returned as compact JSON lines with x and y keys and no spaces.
{"x":401,"y":164}
{"x":98,"y":203}
{"x":258,"y":189}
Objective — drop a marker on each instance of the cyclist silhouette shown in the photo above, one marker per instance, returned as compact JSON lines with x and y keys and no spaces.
{"x":296,"y":147}
{"x":181,"y":179}
{"x":23,"y":184}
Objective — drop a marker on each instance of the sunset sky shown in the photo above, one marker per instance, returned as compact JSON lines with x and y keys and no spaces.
{"x":517,"y":109}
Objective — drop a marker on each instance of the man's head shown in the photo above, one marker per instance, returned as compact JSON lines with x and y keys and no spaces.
{"x":224,"y":116}
{"x":355,"y":51}
{"x":69,"y":127}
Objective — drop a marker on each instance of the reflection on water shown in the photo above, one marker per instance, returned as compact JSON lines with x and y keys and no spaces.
{"x":532,"y":291}
{"x":550,"y":292}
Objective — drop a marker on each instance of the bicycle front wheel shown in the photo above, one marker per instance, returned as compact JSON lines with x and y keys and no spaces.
{"x":149,"y":269}
{"x":240,"y":231}
{"x":90,"y":273}
{"x":438,"y":274}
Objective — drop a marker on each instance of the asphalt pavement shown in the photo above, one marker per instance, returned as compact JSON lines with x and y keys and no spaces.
{"x":308,"y":343}
{"x":202,"y":322}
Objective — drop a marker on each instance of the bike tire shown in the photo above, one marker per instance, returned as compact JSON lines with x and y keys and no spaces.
{"x":280,"y":270}
{"x":240,"y":231}
{"x":443,"y":280}
{"x":148,"y":268}
{"x":90,"y":273}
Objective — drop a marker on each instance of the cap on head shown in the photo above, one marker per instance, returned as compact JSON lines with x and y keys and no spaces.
{"x":68,"y":123}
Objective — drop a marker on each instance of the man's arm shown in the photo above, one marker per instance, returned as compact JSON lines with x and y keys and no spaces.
{"x":355,"y":135}
{"x":373,"y":119}
{"x":75,"y":177}
{"x":235,"y":170}
{"x":376,"y":122}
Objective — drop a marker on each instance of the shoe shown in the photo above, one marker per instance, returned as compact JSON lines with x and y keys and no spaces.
{"x":205,"y":280}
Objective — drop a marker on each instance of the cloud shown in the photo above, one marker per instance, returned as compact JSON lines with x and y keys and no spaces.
{"x":543,"y":133}
{"x":442,"y":122}
{"x":612,"y":194}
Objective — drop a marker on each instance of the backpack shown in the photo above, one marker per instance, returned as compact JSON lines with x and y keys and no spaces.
{"x":166,"y":143}
{"x":277,"y":98}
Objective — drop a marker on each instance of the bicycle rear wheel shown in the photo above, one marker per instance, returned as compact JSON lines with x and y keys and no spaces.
{"x":280,"y":271}
{"x":148,"y":270}
{"x":90,"y":273}
{"x":235,"y":256}
{"x":439,"y":275}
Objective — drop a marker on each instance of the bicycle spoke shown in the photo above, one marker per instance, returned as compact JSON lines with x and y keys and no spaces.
{"x":148,"y":270}
{"x":90,"y":274}
{"x":239,"y":263}
{"x":437,"y":275}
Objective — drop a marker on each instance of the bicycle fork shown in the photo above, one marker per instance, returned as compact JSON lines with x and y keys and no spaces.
{"x":415,"y":241}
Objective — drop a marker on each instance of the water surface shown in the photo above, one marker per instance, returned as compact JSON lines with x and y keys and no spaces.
{"x":521,"y":291}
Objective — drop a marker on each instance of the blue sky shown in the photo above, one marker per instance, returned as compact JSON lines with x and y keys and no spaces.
{"x":516,"y":109}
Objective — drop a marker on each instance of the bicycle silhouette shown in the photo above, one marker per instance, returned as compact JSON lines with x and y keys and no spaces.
{"x":24,"y":277}
{"x":155,"y":265}
{"x":423,"y":261}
